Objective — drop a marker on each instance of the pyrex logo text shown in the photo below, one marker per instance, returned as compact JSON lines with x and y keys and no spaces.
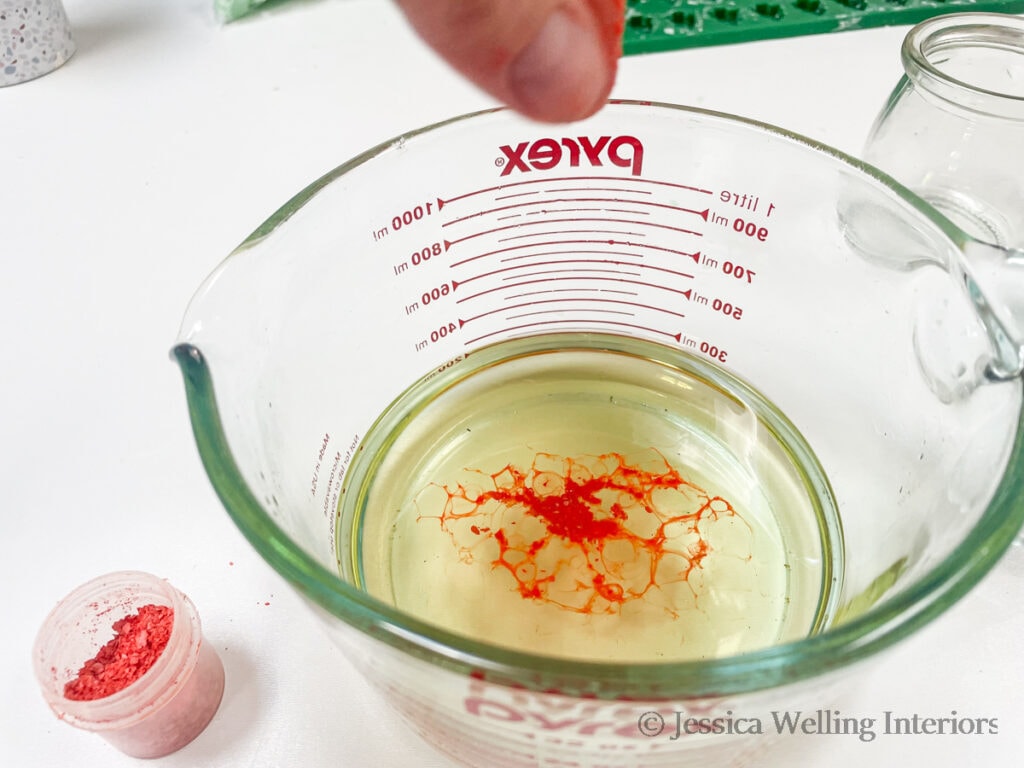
{"x":544,"y":154}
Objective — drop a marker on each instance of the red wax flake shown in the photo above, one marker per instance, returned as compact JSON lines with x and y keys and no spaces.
{"x":585,"y":533}
{"x":139,"y":640}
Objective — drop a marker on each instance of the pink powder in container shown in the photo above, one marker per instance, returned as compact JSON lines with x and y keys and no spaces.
{"x":124,"y":656}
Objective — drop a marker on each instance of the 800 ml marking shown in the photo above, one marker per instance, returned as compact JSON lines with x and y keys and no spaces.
{"x":422,"y":256}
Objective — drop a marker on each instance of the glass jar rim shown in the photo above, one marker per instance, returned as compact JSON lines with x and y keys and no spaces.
{"x":942,"y":34}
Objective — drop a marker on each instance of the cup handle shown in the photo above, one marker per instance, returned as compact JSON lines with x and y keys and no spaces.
{"x":993,"y":277}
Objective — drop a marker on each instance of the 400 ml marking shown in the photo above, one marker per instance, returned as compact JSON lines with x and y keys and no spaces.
{"x":441,"y":332}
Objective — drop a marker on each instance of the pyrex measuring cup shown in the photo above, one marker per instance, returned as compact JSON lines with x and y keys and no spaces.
{"x":797,"y":375}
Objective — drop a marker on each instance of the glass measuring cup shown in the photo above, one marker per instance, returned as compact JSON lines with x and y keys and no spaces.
{"x":838,"y":337}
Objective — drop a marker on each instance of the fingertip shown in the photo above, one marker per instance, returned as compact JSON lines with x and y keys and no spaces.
{"x":566,"y":72}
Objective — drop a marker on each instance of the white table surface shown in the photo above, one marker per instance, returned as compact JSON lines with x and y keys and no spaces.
{"x":127,"y":175}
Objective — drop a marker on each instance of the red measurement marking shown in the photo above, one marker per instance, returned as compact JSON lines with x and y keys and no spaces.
{"x":578,"y":179}
{"x":685,"y":293}
{"x":518,"y":194}
{"x":576,"y":220}
{"x":556,"y":311}
{"x":573,"y":188}
{"x":597,"y":189}
{"x":554,"y":201}
{"x":587,"y":231}
{"x":548,"y":211}
{"x":575,"y":321}
{"x":588,"y":300}
{"x":571,"y":252}
{"x":588,"y":533}
{"x":569,"y":290}
{"x":549,"y":262}
{"x":590,"y":270}
{"x":611,"y":242}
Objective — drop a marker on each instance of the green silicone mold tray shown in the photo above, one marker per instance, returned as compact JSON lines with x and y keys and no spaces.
{"x":662,"y":25}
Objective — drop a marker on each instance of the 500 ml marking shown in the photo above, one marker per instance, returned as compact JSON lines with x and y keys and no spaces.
{"x":719,"y":305}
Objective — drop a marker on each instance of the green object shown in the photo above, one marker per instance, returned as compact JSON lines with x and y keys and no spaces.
{"x":229,"y":10}
{"x":663,"y":25}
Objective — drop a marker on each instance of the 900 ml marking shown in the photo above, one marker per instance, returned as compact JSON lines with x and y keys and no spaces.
{"x":740,"y":225}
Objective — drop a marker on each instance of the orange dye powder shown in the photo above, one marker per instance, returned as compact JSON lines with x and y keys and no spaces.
{"x":586,"y":533}
{"x":137,"y":644}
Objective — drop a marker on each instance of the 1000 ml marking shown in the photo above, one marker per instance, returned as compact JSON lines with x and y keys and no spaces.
{"x":407,"y":217}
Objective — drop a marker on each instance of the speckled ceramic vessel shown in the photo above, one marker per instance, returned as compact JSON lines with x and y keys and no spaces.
{"x":35,"y":38}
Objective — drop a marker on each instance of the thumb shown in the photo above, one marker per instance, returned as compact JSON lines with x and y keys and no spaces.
{"x":552,"y":60}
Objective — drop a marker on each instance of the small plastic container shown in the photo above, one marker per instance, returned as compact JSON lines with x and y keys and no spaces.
{"x":168,"y":705}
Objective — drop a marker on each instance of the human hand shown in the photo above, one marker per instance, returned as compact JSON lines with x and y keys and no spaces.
{"x":551,"y":60}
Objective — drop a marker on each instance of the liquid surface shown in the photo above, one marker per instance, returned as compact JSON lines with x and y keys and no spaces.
{"x":601,"y":499}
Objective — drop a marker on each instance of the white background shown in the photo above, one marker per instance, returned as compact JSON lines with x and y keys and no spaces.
{"x":127,"y":175}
